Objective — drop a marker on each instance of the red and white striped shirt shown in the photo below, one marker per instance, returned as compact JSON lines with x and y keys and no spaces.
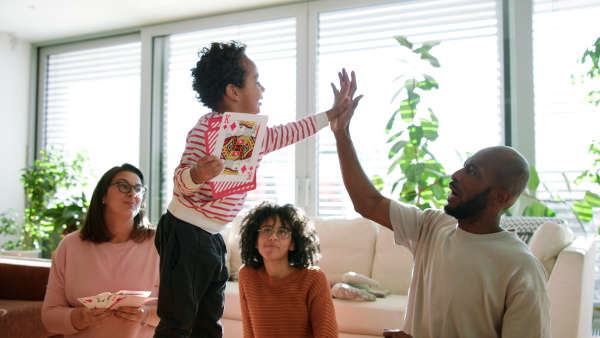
{"x":194,"y":203}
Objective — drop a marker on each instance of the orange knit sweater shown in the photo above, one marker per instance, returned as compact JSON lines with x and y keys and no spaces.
{"x":298,"y":305}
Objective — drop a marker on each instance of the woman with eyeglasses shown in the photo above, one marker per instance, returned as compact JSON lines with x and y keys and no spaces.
{"x":281,"y":293}
{"x":113,"y":251}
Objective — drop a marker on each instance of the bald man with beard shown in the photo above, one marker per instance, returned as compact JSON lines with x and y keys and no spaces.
{"x":471,"y":278}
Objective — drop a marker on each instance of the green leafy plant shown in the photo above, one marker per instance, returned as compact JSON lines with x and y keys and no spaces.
{"x":423,"y":180}
{"x":591,"y":75}
{"x":51,"y":176}
{"x":583,"y":209}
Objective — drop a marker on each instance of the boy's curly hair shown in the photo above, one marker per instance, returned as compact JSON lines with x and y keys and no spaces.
{"x":219,"y":65}
{"x":306,"y":242}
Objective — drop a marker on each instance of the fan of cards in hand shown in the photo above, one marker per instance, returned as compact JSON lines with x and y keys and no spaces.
{"x":107,"y":300}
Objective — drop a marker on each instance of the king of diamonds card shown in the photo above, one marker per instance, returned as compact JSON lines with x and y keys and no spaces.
{"x":238,"y":142}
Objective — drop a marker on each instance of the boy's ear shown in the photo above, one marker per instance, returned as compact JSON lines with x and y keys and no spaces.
{"x":231,"y":92}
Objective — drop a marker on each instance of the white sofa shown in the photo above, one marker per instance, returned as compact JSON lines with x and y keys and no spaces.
{"x":364,"y":247}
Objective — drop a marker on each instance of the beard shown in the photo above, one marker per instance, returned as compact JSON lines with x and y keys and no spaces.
{"x":469,"y":208}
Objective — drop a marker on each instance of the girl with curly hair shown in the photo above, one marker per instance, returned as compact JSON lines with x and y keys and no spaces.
{"x":281,"y":292}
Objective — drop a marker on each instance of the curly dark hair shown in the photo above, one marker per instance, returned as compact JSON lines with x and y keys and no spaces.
{"x":219,"y":66}
{"x":94,"y":227}
{"x":306,"y":242}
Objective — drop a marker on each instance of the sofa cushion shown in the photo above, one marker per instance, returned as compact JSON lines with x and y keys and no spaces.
{"x":22,"y":318}
{"x":548,"y":241}
{"x":233,"y":310}
{"x":370,"y":318}
{"x":28,"y":278}
{"x":346,"y":245}
{"x":393,"y":264}
{"x":353,"y":316}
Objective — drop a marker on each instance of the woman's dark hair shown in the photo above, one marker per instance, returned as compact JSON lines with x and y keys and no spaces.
{"x":94,"y":227}
{"x":219,"y":66}
{"x":306,"y":242}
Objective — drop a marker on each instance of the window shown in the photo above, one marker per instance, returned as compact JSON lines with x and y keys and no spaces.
{"x":565,"y":124}
{"x":467,"y":103}
{"x":90,"y":100}
{"x":271,"y":45}
{"x":298,"y":50}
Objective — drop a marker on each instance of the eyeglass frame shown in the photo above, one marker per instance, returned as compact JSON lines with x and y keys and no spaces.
{"x":265,"y":231}
{"x":143,"y":191}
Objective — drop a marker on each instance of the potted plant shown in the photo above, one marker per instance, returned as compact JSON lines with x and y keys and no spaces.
{"x":423,"y":180}
{"x":48,"y":206}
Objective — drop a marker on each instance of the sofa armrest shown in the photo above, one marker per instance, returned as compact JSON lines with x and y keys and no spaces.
{"x":571,"y":289}
{"x":23,"y":279}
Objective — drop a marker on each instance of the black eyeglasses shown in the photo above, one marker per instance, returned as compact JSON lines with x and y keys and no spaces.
{"x":125,"y":188}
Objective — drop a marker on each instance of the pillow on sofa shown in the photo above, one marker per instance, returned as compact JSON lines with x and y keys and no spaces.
{"x":393,"y":264}
{"x":548,"y":241}
{"x":346,"y":245}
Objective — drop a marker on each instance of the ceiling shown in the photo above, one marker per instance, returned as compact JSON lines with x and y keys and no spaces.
{"x":45,"y":20}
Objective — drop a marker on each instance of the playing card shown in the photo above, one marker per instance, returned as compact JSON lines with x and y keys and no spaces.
{"x":249,"y":148}
{"x":116,"y":300}
{"x":239,"y":143}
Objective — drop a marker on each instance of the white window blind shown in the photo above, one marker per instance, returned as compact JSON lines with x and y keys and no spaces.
{"x":565,"y":123}
{"x":467,"y":103}
{"x":272,"y":46}
{"x":91,"y":101}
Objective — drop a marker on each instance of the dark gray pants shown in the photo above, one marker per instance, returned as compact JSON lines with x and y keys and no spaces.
{"x":191,"y":296}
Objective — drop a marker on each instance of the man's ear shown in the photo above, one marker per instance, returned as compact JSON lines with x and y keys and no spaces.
{"x":500,"y":196}
{"x":231,"y":92}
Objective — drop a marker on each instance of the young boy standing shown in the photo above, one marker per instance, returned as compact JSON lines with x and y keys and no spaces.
{"x":192,"y":253}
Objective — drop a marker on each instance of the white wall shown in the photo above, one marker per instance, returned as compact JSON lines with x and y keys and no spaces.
{"x":14,"y":111}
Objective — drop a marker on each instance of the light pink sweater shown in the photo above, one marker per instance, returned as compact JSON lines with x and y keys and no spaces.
{"x":82,"y":268}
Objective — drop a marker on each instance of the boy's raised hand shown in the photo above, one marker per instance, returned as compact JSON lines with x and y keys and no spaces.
{"x":206,"y":168}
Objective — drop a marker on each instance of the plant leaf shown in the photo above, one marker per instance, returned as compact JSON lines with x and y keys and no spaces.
{"x":429,"y":83}
{"x":431,"y":59}
{"x":415,"y":134}
{"x":534,"y":180}
{"x":403,"y":41}
{"x":414,"y":172}
{"x":395,"y":136}
{"x":396,"y":148}
{"x":592,"y":199}
{"x":583,"y":210}
{"x":390,"y":124}
{"x":430,"y":129}
{"x":378,"y":182}
{"x":432,"y":43}
{"x":537,"y":209}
